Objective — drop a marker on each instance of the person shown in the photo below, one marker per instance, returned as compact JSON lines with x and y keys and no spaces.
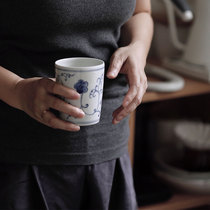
{"x":48,"y":163}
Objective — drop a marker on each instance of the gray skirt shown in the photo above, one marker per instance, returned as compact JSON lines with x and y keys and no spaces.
{"x":103,"y":186}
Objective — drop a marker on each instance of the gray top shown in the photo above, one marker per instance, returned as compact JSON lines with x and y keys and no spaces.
{"x":33,"y":35}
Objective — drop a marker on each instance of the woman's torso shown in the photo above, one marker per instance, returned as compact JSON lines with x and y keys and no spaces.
{"x":33,"y":35}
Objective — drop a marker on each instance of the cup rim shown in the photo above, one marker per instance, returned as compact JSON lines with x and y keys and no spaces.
{"x":98,"y":63}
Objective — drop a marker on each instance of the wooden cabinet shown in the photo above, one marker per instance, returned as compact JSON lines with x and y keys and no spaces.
{"x":178,"y":201}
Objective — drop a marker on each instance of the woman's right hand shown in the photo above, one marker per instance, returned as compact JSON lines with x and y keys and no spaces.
{"x":38,"y":95}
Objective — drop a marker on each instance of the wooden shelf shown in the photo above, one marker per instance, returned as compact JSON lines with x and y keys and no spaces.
{"x":192,"y":88}
{"x":178,"y":201}
{"x":181,"y":201}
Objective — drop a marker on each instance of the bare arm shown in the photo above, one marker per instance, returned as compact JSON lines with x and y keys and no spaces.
{"x":8,"y":82}
{"x":139,"y":29}
{"x":130,"y":59}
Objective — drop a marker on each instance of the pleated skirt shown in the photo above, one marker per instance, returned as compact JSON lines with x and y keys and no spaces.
{"x":104,"y":186}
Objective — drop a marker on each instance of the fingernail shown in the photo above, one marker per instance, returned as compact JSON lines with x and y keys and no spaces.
{"x":81,"y":113}
{"x":115,"y":121}
{"x":77,"y":95}
{"x":119,"y":118}
{"x":113,"y":73}
{"x":74,"y":127}
{"x":126,"y":103}
{"x":77,"y":128}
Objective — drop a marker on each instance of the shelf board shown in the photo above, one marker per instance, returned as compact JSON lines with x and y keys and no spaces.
{"x":180,"y":201}
{"x":192,"y":88}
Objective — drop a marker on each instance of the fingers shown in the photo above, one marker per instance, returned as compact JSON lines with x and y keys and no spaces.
{"x":131,"y":94}
{"x":47,"y":99}
{"x":116,"y":62}
{"x":129,"y":60}
{"x":46,"y":117}
{"x":62,"y":106}
{"x":58,"y":89}
{"x":49,"y":119}
{"x":38,"y":95}
{"x":122,"y":112}
{"x":132,"y":99}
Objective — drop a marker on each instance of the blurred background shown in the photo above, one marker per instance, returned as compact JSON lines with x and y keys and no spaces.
{"x":171,"y":163}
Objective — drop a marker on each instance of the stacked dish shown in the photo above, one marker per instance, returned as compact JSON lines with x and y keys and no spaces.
{"x":187,"y":169}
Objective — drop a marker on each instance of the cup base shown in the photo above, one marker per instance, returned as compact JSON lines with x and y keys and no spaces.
{"x":87,"y":124}
{"x":81,"y":122}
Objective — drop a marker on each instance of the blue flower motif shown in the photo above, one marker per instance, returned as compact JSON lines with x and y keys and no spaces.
{"x":81,"y":86}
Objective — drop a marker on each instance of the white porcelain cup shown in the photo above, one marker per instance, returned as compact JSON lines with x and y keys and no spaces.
{"x":86,"y":76}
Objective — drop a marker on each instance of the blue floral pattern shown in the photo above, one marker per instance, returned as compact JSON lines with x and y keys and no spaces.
{"x":66,"y":76}
{"x":81,"y":86}
{"x":96,"y":92}
{"x":91,"y":95}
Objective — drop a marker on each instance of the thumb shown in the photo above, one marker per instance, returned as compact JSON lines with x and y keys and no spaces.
{"x":116,"y":63}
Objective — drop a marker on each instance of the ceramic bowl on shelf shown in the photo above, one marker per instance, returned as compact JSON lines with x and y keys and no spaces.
{"x":177,"y":177}
{"x":194,"y":134}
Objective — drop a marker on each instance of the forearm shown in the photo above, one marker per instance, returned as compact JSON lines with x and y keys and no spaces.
{"x":8,"y":81}
{"x":138,"y":31}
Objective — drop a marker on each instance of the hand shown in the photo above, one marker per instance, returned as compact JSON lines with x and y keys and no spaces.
{"x":38,"y":95}
{"x":128,"y":60}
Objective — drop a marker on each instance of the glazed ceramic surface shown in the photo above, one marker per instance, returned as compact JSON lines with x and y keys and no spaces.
{"x":86,"y":76}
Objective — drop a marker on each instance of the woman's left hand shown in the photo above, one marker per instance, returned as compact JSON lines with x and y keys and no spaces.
{"x":128,"y":60}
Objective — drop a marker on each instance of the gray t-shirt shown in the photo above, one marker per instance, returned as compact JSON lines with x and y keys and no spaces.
{"x":33,"y":35}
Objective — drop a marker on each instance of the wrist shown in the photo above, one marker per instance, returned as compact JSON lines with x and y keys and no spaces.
{"x":17,"y":88}
{"x":138,"y":48}
{"x":8,"y":82}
